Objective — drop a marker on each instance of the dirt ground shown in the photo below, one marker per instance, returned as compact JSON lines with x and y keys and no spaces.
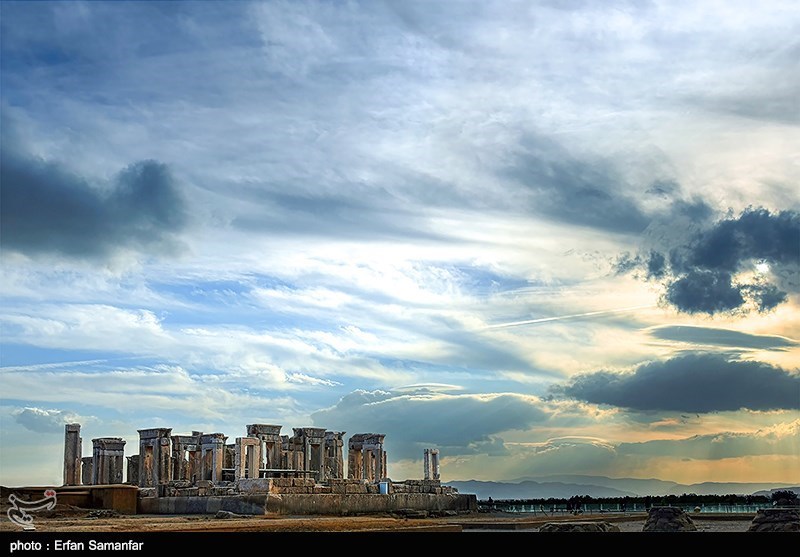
{"x":81,"y":520}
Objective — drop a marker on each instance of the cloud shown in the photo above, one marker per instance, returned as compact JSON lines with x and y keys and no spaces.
{"x":582,"y":192}
{"x":45,"y":421}
{"x":463,"y":423}
{"x":692,"y":383}
{"x":713,"y":271}
{"x":721,"y":337}
{"x":781,"y":439}
{"x":46,"y":209}
{"x":569,"y":455}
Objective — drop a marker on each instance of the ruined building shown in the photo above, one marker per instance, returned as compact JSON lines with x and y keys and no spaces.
{"x":261,"y":471}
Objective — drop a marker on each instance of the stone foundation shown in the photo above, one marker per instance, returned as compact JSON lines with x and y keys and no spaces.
{"x":309,"y":504}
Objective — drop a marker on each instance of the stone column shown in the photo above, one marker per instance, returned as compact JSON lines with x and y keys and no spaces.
{"x":286,"y":452}
{"x":72,"y":454}
{"x":186,"y":456}
{"x":133,"y":470}
{"x":435,"y":463}
{"x":247,"y":458}
{"x":213,"y":453}
{"x":87,"y":470}
{"x":426,"y":464}
{"x":354,"y":465}
{"x":270,"y":436}
{"x":334,"y":455}
{"x":107,"y":458}
{"x":154,"y":456}
{"x":297,"y":458}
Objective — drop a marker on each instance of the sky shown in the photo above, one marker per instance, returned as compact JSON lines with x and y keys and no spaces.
{"x":544,"y":237}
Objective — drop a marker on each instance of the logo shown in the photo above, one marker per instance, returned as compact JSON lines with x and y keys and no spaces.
{"x":18,"y":513}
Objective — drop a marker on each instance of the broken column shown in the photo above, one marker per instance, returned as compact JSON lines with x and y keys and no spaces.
{"x":431,"y":464}
{"x":154,"y":456}
{"x":366,"y":458}
{"x":72,"y":454}
{"x":293,"y":456}
{"x":212,"y":446}
{"x":270,"y":437}
{"x":133,"y":470}
{"x":107,"y":458}
{"x":334,"y":454}
{"x":247,"y":457}
{"x":87,"y":472}
{"x":186,"y":456}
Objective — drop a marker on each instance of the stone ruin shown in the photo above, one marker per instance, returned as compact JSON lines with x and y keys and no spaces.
{"x":780,"y":519}
{"x":668,"y":519}
{"x":584,"y":526}
{"x":310,"y":461}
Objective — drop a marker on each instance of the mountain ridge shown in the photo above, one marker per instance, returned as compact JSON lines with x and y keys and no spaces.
{"x":564,"y":486}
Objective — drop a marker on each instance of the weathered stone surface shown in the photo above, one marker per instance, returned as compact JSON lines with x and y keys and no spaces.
{"x":255,"y":485}
{"x":776,"y":520}
{"x":229,"y":514}
{"x":411,"y":513}
{"x":668,"y":519}
{"x":316,"y":504}
{"x":579,"y":527}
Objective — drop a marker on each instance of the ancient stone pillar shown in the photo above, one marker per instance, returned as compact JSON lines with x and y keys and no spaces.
{"x":312,"y":441}
{"x":271,"y":446}
{"x":87,"y":470}
{"x":296,"y":456}
{"x":154,"y":456}
{"x":247,"y":457}
{"x":334,"y":454}
{"x":426,"y":464}
{"x":107,"y":458}
{"x":213,"y":453}
{"x":435,"y":463}
{"x":133,"y":470}
{"x":72,"y":454}
{"x":366,"y":457}
{"x":186,"y":456}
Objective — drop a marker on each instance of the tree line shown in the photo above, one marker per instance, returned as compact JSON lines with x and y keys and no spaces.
{"x":782,"y":497}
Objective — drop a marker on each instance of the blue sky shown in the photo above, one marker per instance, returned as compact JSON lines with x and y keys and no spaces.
{"x":544,"y":237}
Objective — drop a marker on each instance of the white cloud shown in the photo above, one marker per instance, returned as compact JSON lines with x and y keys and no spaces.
{"x":41,"y":420}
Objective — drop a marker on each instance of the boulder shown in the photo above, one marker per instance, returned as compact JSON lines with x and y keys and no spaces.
{"x":579,"y":527}
{"x":668,"y":519}
{"x":776,"y":520}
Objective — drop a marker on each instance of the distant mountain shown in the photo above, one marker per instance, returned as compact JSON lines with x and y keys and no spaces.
{"x":768,"y":493}
{"x":641,"y":487}
{"x":565,"y":486}
{"x":534,"y":490}
{"x":725,"y":488}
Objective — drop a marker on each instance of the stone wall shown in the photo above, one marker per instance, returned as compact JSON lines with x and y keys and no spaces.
{"x":309,"y":504}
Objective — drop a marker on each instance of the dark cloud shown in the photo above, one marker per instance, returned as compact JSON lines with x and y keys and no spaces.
{"x":701,"y":274}
{"x":656,"y":265}
{"x":757,"y":234}
{"x":463,"y":424}
{"x":44,"y":421}
{"x":581,"y":192}
{"x":46,"y":209}
{"x":706,"y":291}
{"x":721,"y":337}
{"x":691,"y":383}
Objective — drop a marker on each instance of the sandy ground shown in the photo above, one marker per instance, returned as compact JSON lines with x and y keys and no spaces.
{"x":81,"y":520}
